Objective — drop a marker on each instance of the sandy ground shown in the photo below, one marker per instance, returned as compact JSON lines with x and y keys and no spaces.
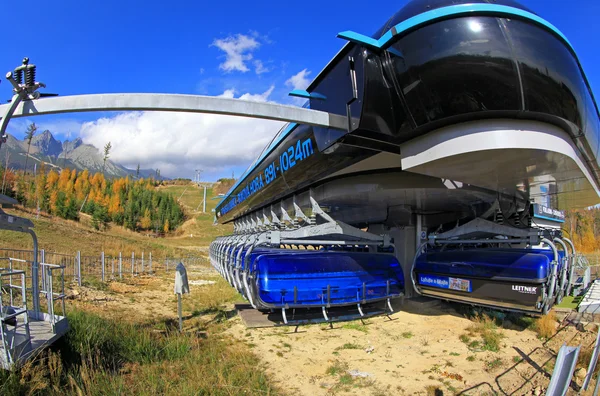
{"x":417,"y":351}
{"x":414,"y":353}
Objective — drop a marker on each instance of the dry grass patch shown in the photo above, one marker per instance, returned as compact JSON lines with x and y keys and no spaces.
{"x":545,"y":327}
{"x":489,"y":332}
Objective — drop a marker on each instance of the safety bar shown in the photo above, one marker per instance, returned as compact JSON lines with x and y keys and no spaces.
{"x":48,"y":290}
{"x":19,"y":311}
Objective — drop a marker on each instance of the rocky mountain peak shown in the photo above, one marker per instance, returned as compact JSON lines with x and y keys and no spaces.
{"x":46,"y":144}
{"x":72,"y":145}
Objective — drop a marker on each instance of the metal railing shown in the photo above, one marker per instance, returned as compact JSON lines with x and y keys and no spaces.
{"x":47,"y":289}
{"x":101,"y":267}
{"x":11,"y":339}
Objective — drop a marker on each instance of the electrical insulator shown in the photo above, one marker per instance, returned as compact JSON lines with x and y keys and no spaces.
{"x":18,"y":75}
{"x":30,"y":75}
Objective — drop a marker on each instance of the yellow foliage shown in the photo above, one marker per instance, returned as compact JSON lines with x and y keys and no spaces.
{"x":146,"y":221}
{"x":51,"y":179}
{"x":63,"y":179}
{"x":114,"y":205}
{"x":53,"y":199}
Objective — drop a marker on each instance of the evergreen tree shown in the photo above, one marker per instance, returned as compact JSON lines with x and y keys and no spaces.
{"x":31,"y":129}
{"x":107,"y":148}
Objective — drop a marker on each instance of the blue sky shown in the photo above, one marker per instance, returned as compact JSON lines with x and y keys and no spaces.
{"x":183,"y":46}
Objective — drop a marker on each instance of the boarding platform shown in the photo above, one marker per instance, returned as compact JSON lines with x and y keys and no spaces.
{"x":32,"y":300}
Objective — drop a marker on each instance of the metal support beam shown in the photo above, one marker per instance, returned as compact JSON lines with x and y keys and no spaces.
{"x":177,"y":103}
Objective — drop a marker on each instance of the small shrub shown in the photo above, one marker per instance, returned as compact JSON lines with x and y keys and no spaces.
{"x":470,"y":358}
{"x":337,"y":368}
{"x":348,"y":345}
{"x":545,"y":326}
{"x":346,"y":379}
{"x":474,"y":344}
{"x":355,"y":326}
{"x":487,"y":328}
{"x":464,"y":338}
{"x":454,"y":354}
{"x":407,"y":334}
{"x":494,"y":364}
{"x":491,"y":341}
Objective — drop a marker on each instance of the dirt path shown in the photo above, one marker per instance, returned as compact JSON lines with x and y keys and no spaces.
{"x":415,"y":353}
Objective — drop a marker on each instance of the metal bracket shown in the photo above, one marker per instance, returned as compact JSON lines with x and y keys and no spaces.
{"x":299,"y":214}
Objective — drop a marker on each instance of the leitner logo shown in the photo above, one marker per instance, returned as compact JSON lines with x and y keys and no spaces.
{"x":524,"y":289}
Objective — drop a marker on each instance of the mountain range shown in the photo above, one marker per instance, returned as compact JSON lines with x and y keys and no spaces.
{"x":68,"y":154}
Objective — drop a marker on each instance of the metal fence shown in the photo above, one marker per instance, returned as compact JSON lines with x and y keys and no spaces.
{"x":101,"y":267}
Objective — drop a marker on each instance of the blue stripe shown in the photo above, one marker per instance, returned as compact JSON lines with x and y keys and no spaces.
{"x":447,"y":12}
{"x":360,"y":39}
{"x":288,"y":129}
{"x":300,"y":93}
{"x":548,"y":218}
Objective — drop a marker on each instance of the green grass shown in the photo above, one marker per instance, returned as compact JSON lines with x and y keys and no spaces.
{"x":110,"y":357}
{"x":486,"y":328}
{"x":470,"y":358}
{"x":569,"y":302}
{"x":358,"y":326}
{"x":348,"y":346}
{"x":494,"y":364}
{"x":338,"y":367}
{"x":407,"y":334}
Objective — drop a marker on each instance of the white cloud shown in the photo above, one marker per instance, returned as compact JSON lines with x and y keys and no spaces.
{"x":260,"y":68}
{"x":60,"y":128}
{"x":238,"y":50}
{"x":299,"y":80}
{"x":178,"y":143}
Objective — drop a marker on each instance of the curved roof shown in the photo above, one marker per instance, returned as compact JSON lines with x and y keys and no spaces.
{"x":416,"y":7}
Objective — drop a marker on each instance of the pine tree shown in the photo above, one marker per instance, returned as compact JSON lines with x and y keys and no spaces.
{"x":31,"y":129}
{"x":107,"y":148}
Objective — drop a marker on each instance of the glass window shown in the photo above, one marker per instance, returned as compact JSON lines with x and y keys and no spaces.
{"x":552,"y":81}
{"x":457,"y":66}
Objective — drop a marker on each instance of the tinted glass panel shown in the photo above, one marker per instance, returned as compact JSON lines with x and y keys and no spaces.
{"x":591,"y":130}
{"x":552,"y":80}
{"x":382,"y":112}
{"x":454,"y":67}
{"x":336,"y":86}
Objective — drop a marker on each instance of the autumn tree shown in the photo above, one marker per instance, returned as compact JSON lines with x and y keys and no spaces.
{"x":146,"y":221}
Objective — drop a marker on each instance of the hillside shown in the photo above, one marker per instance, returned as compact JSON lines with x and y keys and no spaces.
{"x":73,"y":154}
{"x":67,"y":236}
